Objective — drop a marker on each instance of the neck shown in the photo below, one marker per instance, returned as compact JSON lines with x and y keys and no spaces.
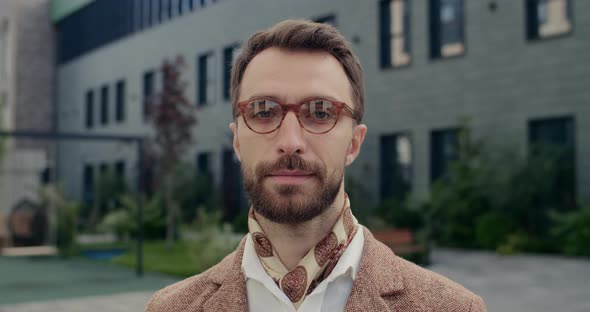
{"x":293,"y":241}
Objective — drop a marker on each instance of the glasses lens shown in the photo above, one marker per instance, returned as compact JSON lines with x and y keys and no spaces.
{"x":263,"y":115}
{"x":318,"y":115}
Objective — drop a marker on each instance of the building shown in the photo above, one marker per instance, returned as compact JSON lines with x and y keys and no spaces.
{"x":27,"y":70}
{"x":517,"y":69}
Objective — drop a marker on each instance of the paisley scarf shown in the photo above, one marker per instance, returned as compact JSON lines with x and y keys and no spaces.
{"x":315,"y":266}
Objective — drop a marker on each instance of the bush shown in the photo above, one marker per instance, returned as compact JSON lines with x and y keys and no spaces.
{"x":494,"y":199}
{"x":573,"y":231}
{"x":400,"y":214}
{"x":211,"y":243}
{"x":67,"y":215}
{"x":492,"y":230}
{"x":193,"y":191}
{"x":457,"y":201}
{"x":240,"y":223}
{"x":123,"y":220}
{"x":120,"y":222}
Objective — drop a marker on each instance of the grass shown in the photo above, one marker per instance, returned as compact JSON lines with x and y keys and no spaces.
{"x":185,"y":259}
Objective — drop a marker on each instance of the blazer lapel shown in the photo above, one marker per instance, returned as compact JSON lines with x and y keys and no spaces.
{"x":379,"y":275}
{"x":231,"y":295}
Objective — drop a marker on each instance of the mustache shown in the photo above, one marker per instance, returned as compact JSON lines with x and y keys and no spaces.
{"x":290,"y":162}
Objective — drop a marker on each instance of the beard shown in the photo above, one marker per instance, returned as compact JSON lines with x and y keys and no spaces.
{"x":290,"y":204}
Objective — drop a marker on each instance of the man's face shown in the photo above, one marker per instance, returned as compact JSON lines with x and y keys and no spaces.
{"x":291,"y":175}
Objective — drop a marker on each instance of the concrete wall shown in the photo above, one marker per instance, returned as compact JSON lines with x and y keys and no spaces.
{"x":501,"y":82}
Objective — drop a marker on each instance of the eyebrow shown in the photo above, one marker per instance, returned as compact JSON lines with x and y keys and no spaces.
{"x":278,"y":98}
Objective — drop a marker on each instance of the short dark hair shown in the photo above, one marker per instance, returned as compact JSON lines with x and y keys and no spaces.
{"x":302,"y":35}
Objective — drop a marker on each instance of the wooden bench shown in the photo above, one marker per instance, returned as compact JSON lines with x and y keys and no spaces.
{"x":403,"y":243}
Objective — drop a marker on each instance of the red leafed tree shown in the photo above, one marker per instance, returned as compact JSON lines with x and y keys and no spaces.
{"x":173,"y":117}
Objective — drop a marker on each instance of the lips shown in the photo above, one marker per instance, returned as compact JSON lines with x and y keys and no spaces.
{"x":291,"y":173}
{"x":290,"y":176}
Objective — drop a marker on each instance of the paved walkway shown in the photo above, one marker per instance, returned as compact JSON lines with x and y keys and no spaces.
{"x":519,"y":283}
{"x":514,"y":283}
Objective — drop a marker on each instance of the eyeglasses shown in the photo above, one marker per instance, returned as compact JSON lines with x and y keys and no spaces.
{"x":315,"y":115}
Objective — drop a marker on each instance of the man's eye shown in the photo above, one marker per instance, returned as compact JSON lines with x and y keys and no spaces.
{"x":320,"y":115}
{"x":264,"y":114}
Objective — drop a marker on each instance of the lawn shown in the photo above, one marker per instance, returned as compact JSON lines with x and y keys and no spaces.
{"x":185,"y":259}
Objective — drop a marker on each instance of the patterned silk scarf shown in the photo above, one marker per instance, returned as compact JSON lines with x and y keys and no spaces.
{"x":317,"y":264}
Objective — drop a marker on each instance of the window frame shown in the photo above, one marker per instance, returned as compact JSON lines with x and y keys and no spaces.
{"x":386,"y":36}
{"x":435,"y":32}
{"x":382,"y":185}
{"x":89,"y":109}
{"x":444,"y":173}
{"x":227,"y":67}
{"x":104,"y":104}
{"x":120,"y":100}
{"x":531,"y":36}
{"x":205,"y":95}
{"x":152,"y":75}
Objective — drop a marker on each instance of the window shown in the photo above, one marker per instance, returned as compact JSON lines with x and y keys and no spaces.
{"x":4,"y":49}
{"x":103,"y":169}
{"x":104,"y":105}
{"x":89,"y":109}
{"x":148,"y":91}
{"x":155,"y":12}
{"x":45,"y":176}
{"x":185,"y":6}
{"x":191,"y":4}
{"x":173,"y":8}
{"x":552,"y":145}
{"x":164,"y":10}
{"x":120,"y":100}
{"x":88,"y":185}
{"x":444,"y":145}
{"x":446,"y":28}
{"x":120,"y":169}
{"x":147,"y":14}
{"x":395,"y":33}
{"x":138,"y":14}
{"x":548,"y":18}
{"x":229,"y":56}
{"x":203,"y":165}
{"x":205,"y":79}
{"x":556,"y":131}
{"x":396,"y":166}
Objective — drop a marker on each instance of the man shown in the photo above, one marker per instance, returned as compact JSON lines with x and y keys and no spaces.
{"x":298,"y":102}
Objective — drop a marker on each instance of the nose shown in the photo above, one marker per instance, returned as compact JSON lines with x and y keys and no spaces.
{"x":290,"y":136}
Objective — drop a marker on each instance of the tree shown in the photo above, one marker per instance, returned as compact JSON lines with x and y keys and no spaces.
{"x":173,"y":117}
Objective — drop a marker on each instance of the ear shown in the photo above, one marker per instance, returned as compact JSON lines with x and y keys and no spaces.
{"x":236,"y":144}
{"x":358,"y":136}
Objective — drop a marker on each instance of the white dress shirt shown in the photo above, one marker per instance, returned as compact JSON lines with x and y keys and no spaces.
{"x":329,"y":296}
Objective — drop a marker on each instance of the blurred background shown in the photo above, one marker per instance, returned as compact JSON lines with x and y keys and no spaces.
{"x":117,"y":174}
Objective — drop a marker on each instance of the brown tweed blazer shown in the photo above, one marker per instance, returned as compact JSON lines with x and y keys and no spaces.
{"x":385,"y":282}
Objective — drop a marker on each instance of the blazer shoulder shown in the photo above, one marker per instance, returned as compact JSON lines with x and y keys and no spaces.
{"x":191,"y":293}
{"x":436,"y":291}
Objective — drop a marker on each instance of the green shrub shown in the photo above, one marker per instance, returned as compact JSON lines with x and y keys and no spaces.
{"x":67,"y":216}
{"x":492,"y":230}
{"x":240,"y":223}
{"x":496,"y":199}
{"x":572,"y":229}
{"x":119,"y":222}
{"x":400,"y":214}
{"x":123,"y":221}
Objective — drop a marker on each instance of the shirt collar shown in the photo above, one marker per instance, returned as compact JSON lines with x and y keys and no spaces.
{"x":348,"y":264}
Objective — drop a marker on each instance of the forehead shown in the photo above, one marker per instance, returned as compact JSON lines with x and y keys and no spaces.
{"x":293,"y":75}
